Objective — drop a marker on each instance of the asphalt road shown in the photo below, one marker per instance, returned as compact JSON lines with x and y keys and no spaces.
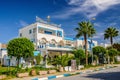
{"x":108,"y":74}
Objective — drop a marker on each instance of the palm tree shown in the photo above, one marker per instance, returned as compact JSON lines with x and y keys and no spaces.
{"x":110,"y":33}
{"x":62,"y":60}
{"x":85,"y":29}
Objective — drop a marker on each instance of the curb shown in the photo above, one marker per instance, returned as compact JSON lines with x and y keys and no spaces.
{"x":66,"y":75}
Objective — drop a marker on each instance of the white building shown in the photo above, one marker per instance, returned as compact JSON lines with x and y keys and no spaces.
{"x":49,"y":38}
{"x":3,"y":53}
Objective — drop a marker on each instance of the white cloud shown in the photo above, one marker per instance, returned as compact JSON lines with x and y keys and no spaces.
{"x":89,"y":8}
{"x":116,"y":39}
{"x":23,"y":23}
{"x":98,"y":24}
{"x":98,"y":35}
{"x":75,"y":2}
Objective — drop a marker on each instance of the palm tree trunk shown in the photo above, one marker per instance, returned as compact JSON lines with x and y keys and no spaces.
{"x":111,"y":40}
{"x":85,"y":39}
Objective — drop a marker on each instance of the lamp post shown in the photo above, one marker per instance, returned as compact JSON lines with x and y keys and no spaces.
{"x":91,"y":41}
{"x":91,"y":50}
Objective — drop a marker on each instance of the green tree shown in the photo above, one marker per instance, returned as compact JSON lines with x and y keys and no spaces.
{"x":20,"y":47}
{"x":38,"y":58}
{"x":78,"y":55}
{"x":98,"y":50}
{"x":116,"y":46}
{"x":85,"y":29}
{"x":112,"y":53}
{"x":110,"y":33}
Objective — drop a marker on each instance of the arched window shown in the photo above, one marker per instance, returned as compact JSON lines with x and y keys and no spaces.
{"x":53,"y":43}
{"x":43,"y":42}
{"x":61,"y":43}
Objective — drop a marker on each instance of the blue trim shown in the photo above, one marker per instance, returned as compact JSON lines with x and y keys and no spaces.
{"x":69,"y":74}
{"x":46,"y":28}
{"x":3,"y":49}
{"x":51,"y":77}
{"x":67,"y":38}
{"x":36,"y":53}
{"x":35,"y":79}
{"x":65,"y":75}
{"x":50,"y":31}
{"x":59,"y":33}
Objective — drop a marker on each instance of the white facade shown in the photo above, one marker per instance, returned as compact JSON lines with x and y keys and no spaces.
{"x":47,"y":36}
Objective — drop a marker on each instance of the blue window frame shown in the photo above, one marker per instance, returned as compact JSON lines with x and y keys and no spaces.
{"x":59,"y":33}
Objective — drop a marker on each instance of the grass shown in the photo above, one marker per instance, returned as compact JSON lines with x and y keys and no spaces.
{"x":4,"y":70}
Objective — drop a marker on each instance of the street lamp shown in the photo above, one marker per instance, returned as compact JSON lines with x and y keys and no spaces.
{"x":91,"y":49}
{"x":91,"y":42}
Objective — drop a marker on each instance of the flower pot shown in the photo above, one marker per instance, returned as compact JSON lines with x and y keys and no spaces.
{"x":51,"y":71}
{"x":22,"y":74}
{"x":42,"y":72}
{"x":61,"y":69}
{"x":2,"y":77}
{"x":33,"y":72}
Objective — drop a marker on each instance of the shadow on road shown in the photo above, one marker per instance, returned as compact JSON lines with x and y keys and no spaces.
{"x":105,"y":76}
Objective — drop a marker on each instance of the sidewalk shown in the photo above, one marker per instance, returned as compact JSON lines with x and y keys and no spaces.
{"x":61,"y":73}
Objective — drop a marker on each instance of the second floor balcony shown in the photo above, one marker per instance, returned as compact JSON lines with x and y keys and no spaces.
{"x":55,"y":47}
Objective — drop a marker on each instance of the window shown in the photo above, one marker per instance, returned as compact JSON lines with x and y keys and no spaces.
{"x":48,"y":32}
{"x":59,"y":33}
{"x":20,"y":34}
{"x":30,"y":31}
{"x":34,"y":30}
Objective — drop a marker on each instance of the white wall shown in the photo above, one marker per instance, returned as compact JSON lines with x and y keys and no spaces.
{"x":49,"y":37}
{"x":25,"y":31}
{"x":2,"y":53}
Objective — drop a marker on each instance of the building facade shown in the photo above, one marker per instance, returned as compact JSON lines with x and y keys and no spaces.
{"x":49,"y":38}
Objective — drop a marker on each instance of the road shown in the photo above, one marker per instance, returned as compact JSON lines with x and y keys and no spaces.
{"x":108,"y":74}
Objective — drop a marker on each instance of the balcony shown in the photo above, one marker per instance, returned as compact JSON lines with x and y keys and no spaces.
{"x":56,"y":48}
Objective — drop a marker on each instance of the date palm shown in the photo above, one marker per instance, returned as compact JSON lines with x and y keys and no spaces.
{"x":110,"y":33}
{"x":62,"y":60}
{"x":85,"y":29}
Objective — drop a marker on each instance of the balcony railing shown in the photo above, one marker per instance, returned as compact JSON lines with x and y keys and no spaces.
{"x":54,"y":46}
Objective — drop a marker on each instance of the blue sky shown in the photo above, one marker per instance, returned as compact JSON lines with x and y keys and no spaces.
{"x":15,"y":14}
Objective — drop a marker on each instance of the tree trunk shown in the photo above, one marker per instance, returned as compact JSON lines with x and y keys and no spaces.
{"x":108,"y":59}
{"x":18,"y":62}
{"x":1,"y":61}
{"x":111,"y":40}
{"x":97,"y":61}
{"x":61,"y":53}
{"x":113,"y":59}
{"x":85,"y":39}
